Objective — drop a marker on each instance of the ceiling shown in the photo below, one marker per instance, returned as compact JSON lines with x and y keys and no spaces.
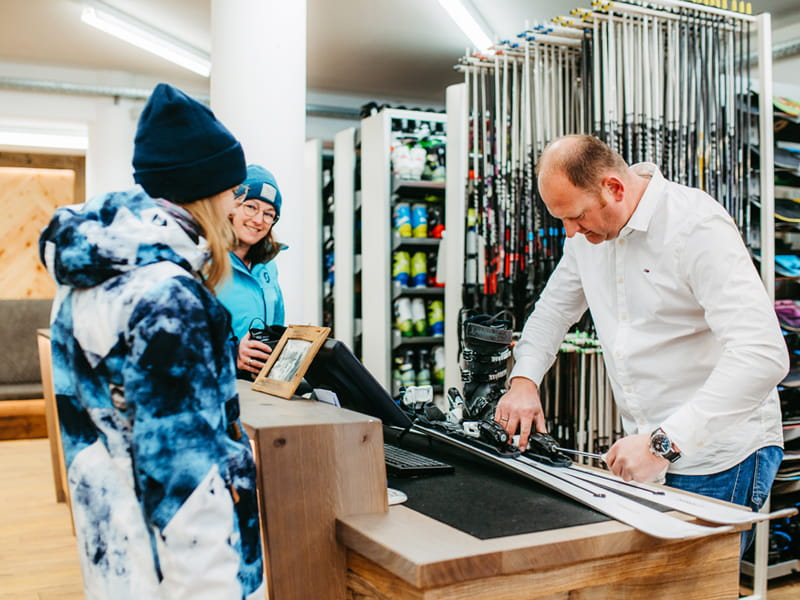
{"x":377,"y":49}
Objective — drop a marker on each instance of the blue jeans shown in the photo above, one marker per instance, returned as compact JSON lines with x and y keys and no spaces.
{"x":747,"y":483}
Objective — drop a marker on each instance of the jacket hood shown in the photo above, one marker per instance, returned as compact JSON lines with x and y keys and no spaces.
{"x":87,"y":244}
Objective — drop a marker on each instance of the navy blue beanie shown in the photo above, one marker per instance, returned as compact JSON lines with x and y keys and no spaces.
{"x":263,"y":186}
{"x":182,"y":153}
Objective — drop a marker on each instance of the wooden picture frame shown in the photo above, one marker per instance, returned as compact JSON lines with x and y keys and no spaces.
{"x":290,"y":359}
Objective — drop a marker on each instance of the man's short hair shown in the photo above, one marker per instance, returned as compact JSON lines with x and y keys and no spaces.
{"x":585,"y":162}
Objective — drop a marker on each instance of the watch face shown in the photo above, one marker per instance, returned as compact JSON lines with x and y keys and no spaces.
{"x":660,"y":444}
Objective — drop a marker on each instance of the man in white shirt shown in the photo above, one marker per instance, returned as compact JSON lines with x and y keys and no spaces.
{"x":690,"y":338}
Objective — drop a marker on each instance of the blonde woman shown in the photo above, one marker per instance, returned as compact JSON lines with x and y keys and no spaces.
{"x":161,"y":475}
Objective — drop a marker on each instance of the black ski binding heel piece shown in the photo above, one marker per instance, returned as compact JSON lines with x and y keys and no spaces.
{"x":544,"y":448}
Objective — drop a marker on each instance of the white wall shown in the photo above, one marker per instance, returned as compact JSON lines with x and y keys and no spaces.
{"x":786,"y":81}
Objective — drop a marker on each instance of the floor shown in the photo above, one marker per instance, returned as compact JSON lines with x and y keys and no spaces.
{"x":38,"y":555}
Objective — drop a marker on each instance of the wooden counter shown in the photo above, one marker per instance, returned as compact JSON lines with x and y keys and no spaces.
{"x":316,"y":463}
{"x":404,"y":554}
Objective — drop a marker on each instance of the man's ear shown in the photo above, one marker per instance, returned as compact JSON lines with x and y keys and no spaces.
{"x":615,"y":186}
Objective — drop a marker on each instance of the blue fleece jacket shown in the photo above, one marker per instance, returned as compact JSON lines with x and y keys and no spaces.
{"x":251,"y":294}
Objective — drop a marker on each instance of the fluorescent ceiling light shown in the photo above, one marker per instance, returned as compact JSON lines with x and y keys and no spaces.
{"x":467,"y":22}
{"x":142,"y":35}
{"x":44,"y":134}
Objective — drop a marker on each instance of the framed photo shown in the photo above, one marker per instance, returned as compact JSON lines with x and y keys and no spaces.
{"x":290,"y":359}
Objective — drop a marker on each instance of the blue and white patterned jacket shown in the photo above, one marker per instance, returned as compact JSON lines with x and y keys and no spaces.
{"x":161,"y":476}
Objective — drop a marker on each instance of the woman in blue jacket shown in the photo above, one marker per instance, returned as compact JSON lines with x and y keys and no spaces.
{"x":161,"y":477}
{"x":253,"y":295}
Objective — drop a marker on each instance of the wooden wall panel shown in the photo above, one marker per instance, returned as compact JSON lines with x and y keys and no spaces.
{"x":28,"y":198}
{"x":32,"y":160}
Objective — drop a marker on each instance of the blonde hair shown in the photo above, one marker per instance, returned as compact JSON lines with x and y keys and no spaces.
{"x":220,"y":237}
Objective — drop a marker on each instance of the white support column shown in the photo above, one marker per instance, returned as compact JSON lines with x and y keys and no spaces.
{"x":767,"y":194}
{"x":344,"y":166}
{"x":258,"y":89}
{"x":455,"y":225}
{"x":766,"y":150}
{"x":312,"y":210}
{"x":110,"y":152}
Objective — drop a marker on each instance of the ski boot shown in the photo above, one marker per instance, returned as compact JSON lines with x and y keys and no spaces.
{"x":485,"y":349}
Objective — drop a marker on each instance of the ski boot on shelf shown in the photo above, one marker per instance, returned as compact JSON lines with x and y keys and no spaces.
{"x":485,"y":347}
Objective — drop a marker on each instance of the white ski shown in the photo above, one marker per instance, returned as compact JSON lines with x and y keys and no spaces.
{"x":708,"y":510}
{"x":630,"y":512}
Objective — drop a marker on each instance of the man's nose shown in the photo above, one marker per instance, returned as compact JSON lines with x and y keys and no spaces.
{"x":571,"y":228}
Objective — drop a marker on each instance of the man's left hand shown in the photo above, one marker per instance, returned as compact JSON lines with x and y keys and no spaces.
{"x":631,"y":459}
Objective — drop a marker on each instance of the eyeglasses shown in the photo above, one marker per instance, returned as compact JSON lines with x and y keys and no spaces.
{"x":252,"y":209}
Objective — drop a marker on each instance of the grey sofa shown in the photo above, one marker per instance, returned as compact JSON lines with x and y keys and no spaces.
{"x":20,"y":374}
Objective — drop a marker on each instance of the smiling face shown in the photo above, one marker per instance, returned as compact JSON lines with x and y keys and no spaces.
{"x":250,"y":230}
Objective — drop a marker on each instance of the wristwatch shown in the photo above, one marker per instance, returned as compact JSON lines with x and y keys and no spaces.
{"x":660,"y":445}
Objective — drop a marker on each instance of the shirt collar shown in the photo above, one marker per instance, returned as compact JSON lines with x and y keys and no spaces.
{"x":642,"y":215}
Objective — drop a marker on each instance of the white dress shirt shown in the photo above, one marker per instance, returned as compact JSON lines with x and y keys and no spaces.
{"x":690,"y":338}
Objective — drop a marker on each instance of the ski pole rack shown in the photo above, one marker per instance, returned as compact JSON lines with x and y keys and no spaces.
{"x":577,"y":399}
{"x":403,"y":213}
{"x":662,"y":82}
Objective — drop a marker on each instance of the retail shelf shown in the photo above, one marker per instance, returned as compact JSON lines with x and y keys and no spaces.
{"x":427,"y":292}
{"x":787,"y":192}
{"x":418,"y":340}
{"x":414,"y":186}
{"x":380,"y":133}
{"x":791,"y":432}
{"x":777,"y":570}
{"x":412,"y":242}
{"x":788,"y":486}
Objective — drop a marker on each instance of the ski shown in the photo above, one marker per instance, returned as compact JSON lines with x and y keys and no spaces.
{"x":625,"y":510}
{"x":707,"y":510}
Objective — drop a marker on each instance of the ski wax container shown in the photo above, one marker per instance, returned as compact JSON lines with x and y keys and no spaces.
{"x":419,"y":269}
{"x":403,"y":317}
{"x":436,"y":317}
{"x":402,"y":219}
{"x":401,"y":268}
{"x":418,"y":316}
{"x":419,"y":220}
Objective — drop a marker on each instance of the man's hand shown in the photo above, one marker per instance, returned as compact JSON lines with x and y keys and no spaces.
{"x":520,"y":407}
{"x":252,"y":355}
{"x":631,"y":459}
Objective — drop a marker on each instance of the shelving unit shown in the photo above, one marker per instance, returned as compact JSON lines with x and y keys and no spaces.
{"x":328,"y":244}
{"x":347,"y":249}
{"x":784,"y":546}
{"x":382,"y":190}
{"x":314,"y":232}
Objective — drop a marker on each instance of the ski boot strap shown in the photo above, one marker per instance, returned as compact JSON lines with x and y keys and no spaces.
{"x":483,"y":357}
{"x":470,"y":375}
{"x":474,"y":332}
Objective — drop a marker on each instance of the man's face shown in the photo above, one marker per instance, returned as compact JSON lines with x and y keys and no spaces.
{"x":592,"y":214}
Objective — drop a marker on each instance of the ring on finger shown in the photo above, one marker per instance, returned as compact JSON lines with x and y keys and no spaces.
{"x":504,"y":419}
{"x":249,"y":361}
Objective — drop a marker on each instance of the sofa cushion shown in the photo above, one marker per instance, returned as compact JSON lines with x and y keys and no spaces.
{"x":19,"y":350}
